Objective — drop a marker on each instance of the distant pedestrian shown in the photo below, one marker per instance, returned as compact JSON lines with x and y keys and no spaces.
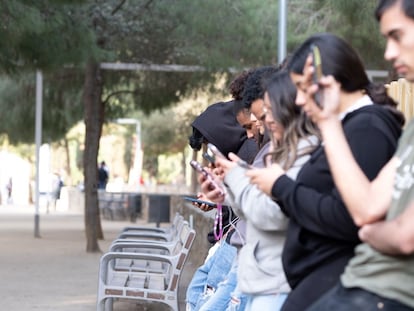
{"x":103,"y":176}
{"x":9,"y":188}
{"x":56,"y":184}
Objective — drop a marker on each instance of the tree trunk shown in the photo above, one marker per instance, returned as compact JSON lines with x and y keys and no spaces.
{"x":93,"y":115}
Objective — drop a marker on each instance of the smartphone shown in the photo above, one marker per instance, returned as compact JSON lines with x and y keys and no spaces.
{"x":214,"y":151}
{"x":200,"y":201}
{"x":317,"y":73}
{"x":210,"y":158}
{"x":199,"y":168}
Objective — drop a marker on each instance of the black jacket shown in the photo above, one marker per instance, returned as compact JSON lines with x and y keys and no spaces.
{"x":321,"y":233}
{"x":219,"y":126}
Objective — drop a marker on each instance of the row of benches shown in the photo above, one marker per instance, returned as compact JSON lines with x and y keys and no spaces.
{"x":114,"y":205}
{"x":145,"y":264}
{"x":130,"y":205}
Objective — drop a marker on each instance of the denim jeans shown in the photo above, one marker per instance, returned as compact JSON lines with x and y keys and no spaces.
{"x":345,"y":299}
{"x":266,"y":302}
{"x":238,"y":300}
{"x":227,"y":297}
{"x":207,"y":277}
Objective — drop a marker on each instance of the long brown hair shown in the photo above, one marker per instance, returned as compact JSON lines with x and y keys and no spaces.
{"x":282,"y":94}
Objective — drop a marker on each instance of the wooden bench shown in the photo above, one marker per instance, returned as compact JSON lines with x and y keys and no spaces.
{"x":126,"y":281}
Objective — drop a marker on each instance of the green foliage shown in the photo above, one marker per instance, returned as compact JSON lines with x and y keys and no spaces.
{"x":148,"y":90}
{"x":43,"y":35}
{"x":51,"y":34}
{"x":61,"y":108}
{"x":234,"y":34}
{"x":354,"y":21}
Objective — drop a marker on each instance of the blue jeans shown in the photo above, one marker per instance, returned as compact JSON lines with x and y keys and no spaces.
{"x":238,"y":301}
{"x":207,"y":277}
{"x":227,"y":297}
{"x":266,"y":302}
{"x":340,"y":298}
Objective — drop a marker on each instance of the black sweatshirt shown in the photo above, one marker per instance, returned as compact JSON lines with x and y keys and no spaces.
{"x":219,"y":126}
{"x":321,"y":233}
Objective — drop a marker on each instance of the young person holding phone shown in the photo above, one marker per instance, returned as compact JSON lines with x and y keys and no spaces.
{"x":322,"y":235}
{"x":294,"y":137}
{"x":227,"y":295}
{"x":380,"y":275}
{"x":219,"y":125}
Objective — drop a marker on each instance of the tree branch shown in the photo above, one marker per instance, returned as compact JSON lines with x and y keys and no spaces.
{"x":116,"y":94}
{"x":118,"y":7}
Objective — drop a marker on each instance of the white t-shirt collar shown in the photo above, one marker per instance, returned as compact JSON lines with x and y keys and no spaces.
{"x":362,"y":102}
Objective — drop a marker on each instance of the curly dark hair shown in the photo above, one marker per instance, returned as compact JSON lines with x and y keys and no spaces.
{"x":236,"y":86}
{"x":254,"y":87}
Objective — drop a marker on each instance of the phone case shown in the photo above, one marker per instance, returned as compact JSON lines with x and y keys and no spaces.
{"x":215,"y":150}
{"x":199,"y":201}
{"x":317,"y":73}
{"x":199,"y":168}
{"x":209,"y":157}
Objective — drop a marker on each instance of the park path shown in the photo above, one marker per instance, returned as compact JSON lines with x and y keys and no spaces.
{"x":53,"y":272}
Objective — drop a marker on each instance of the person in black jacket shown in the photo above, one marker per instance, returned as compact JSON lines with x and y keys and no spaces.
{"x":219,"y":125}
{"x":103,"y":176}
{"x":322,"y":235}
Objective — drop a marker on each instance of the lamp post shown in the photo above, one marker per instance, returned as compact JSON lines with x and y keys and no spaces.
{"x":282,"y":30}
{"x":136,"y":170}
{"x":38,"y":141}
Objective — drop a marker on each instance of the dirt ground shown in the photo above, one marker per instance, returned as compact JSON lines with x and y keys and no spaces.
{"x":52,"y":272}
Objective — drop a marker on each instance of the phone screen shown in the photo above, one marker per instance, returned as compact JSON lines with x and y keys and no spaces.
{"x":317,"y":74}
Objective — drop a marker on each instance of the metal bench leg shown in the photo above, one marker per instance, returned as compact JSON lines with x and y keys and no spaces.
{"x":109,"y":304}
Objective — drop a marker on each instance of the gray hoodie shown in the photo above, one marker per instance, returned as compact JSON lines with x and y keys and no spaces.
{"x":260,"y":268}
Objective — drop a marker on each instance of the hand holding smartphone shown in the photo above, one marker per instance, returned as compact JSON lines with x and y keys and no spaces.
{"x":199,"y":168}
{"x":317,"y":73}
{"x":198,"y":202}
{"x":195,"y":200}
{"x":214,"y":152}
{"x":210,"y":158}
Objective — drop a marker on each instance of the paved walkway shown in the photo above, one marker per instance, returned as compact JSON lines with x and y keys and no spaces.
{"x":53,"y":272}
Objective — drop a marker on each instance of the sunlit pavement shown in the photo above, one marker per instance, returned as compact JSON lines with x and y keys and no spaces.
{"x":53,"y":272}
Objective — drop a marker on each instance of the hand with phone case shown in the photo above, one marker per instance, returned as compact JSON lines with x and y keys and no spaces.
{"x":201,"y":204}
{"x":214,"y":152}
{"x":223,"y":163}
{"x":210,"y":159}
{"x":207,"y":176}
{"x":326,"y":92}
